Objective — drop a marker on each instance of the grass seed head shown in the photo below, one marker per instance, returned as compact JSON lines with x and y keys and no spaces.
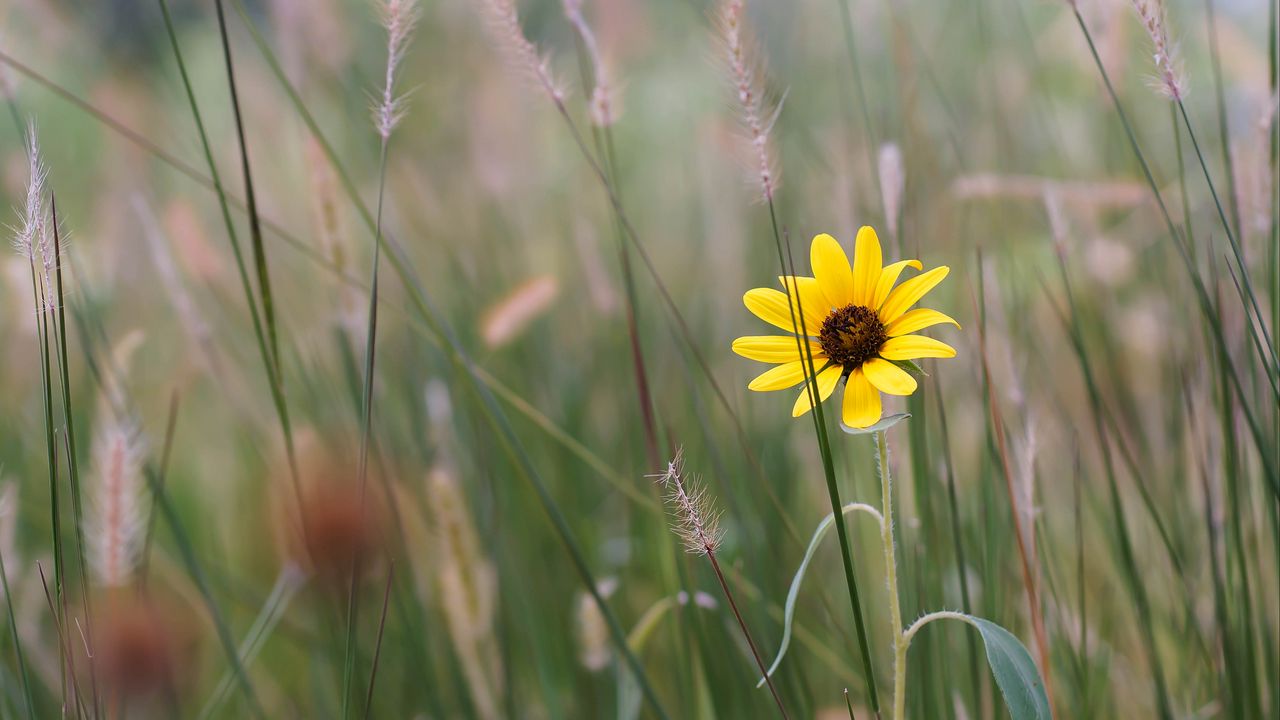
{"x":746,"y":72}
{"x":1170,"y":80}
{"x":694,"y":519}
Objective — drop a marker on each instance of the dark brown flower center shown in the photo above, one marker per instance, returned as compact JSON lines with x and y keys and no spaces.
{"x":852,"y":335}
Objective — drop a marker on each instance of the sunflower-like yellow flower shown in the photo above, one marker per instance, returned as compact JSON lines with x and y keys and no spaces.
{"x":857,"y":324}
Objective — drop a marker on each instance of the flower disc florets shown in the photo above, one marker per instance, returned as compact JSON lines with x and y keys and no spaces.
{"x":852,"y":335}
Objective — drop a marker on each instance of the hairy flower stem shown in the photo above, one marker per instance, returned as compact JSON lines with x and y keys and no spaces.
{"x":828,"y":465}
{"x":900,"y":640}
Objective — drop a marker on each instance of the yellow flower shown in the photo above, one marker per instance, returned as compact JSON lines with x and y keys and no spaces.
{"x":856,"y":323}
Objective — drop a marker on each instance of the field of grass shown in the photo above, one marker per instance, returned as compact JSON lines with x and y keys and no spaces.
{"x":385,"y":359}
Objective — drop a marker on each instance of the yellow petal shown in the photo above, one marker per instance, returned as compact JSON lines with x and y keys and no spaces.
{"x":782,"y":377}
{"x":866,"y":265}
{"x":772,"y":307}
{"x":831,"y":268}
{"x":889,"y":378}
{"x":861,"y":401}
{"x":888,"y":277}
{"x":827,"y":380}
{"x":906,"y":294}
{"x":772,"y":348}
{"x":917,"y":319}
{"x":911,"y":347}
{"x":807,"y":296}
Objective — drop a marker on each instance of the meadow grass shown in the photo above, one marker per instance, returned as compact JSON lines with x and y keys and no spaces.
{"x":308,"y":413}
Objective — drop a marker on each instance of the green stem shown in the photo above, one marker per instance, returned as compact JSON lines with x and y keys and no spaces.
{"x":828,"y":464}
{"x":1247,"y":296}
{"x":1271,"y":465}
{"x":17,"y":642}
{"x":900,"y":641}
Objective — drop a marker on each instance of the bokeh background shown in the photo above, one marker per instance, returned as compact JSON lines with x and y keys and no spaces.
{"x":1091,"y":397}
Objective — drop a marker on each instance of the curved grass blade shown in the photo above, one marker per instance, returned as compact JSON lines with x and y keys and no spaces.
{"x":789,"y":609}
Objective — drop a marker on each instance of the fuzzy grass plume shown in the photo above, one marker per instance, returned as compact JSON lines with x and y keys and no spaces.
{"x":757,"y":113}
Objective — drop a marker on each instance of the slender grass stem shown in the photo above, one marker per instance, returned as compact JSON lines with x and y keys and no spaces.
{"x":1219,"y":96}
{"x":491,"y":382}
{"x":957,"y":540}
{"x":69,"y":681}
{"x":366,"y":424}
{"x":270,"y":365}
{"x":46,"y":387}
{"x":377,"y":644}
{"x":187,"y":553}
{"x":1247,"y":296}
{"x":68,"y":419}
{"x":439,"y":327}
{"x":602,"y":139}
{"x":255,"y":226}
{"x":796,"y":310}
{"x":742,"y":625}
{"x":1270,"y":463}
{"x":859,"y":92}
{"x":162,"y":471}
{"x":1024,"y":535}
{"x":17,"y":642}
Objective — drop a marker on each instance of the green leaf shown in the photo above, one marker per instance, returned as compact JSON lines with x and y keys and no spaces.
{"x":911,"y":367}
{"x":789,"y":609}
{"x":1015,"y":672}
{"x":884,"y":424}
{"x":1013,"y":668}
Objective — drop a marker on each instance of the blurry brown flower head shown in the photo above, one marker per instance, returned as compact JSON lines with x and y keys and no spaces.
{"x":323,"y":524}
{"x":142,"y":647}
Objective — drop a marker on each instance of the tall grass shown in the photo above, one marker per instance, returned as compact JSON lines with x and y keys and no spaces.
{"x":1098,"y":471}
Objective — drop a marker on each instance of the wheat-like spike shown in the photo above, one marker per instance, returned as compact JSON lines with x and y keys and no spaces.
{"x":117,"y":519}
{"x":1170,"y":80}
{"x":399,"y":17}
{"x":503,"y":23}
{"x":746,"y":72}
{"x":695,"y":521}
{"x":32,"y":214}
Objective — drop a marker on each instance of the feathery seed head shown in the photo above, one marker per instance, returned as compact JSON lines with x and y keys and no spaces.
{"x":36,"y":235}
{"x":746,"y":71}
{"x":503,"y":23}
{"x":694,"y":519}
{"x":32,"y":214}
{"x":1170,"y":80}
{"x":398,"y":18}
{"x":117,"y":517}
